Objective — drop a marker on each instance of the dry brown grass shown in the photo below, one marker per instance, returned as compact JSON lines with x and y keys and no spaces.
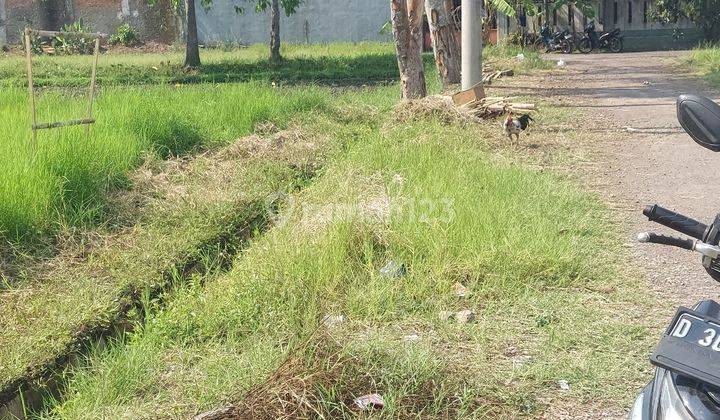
{"x":434,"y":106}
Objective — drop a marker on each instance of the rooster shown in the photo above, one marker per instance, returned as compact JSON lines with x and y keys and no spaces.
{"x":514,"y":126}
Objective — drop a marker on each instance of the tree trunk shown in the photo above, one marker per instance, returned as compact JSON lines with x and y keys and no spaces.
{"x":275,"y":32}
{"x":192,"y":50}
{"x":407,"y":31}
{"x":445,"y":45}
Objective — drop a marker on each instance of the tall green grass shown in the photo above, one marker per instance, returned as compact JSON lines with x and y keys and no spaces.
{"x":65,"y":179}
{"x":526,"y":245}
{"x":338,"y":63}
{"x":358,"y":63}
{"x":706,"y":60}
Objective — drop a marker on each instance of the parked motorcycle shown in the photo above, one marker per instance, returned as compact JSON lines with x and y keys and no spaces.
{"x":559,"y":41}
{"x":687,"y":379}
{"x":611,"y":41}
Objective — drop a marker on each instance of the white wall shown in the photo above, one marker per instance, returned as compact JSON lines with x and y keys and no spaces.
{"x":315,"y":21}
{"x":3,"y":18}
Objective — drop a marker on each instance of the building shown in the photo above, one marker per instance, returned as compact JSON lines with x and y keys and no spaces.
{"x":631,"y":16}
{"x":157,"y":22}
{"x":318,"y":21}
{"x":314,"y":21}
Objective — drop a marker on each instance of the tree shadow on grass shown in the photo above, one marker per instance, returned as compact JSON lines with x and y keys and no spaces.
{"x":366,"y":69}
{"x":362,"y":69}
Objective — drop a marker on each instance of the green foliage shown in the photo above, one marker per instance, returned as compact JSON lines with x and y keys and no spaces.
{"x":66,"y":179}
{"x":703,"y":13}
{"x":289,"y":6}
{"x":74,"y":44}
{"x":63,"y":44}
{"x":36,"y":43}
{"x":126,"y":35}
{"x":530,"y":246}
{"x":511,"y":7}
{"x":705,"y":59}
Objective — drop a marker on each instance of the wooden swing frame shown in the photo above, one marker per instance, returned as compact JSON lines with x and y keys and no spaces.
{"x":28,"y":57}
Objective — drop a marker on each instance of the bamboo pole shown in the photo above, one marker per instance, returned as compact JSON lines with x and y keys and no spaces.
{"x":52,"y":34}
{"x":44,"y":126}
{"x":92,"y":86}
{"x":31,"y":91}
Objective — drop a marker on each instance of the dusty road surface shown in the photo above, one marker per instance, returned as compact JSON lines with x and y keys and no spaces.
{"x":642,"y":157}
{"x":645,"y":157}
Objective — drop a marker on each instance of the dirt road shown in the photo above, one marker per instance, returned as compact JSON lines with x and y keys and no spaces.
{"x":642,"y":156}
{"x":648,"y":158}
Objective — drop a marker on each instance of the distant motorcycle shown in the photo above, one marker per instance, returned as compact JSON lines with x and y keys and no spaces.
{"x":611,"y":41}
{"x":559,"y":41}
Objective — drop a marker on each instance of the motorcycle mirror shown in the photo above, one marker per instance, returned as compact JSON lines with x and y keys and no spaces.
{"x":700,"y":117}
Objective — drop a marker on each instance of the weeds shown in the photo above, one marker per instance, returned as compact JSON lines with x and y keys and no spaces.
{"x":706,"y":60}
{"x":526,"y":244}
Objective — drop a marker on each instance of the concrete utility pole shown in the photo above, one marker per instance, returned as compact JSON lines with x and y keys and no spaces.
{"x":3,"y":19}
{"x":471,"y":43}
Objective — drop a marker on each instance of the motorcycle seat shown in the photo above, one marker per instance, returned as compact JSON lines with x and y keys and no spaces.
{"x":700,"y":117}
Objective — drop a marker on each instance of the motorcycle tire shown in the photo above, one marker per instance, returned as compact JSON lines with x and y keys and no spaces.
{"x":567,"y":47}
{"x":539,"y":45}
{"x":616,"y":45}
{"x":585,"y":46}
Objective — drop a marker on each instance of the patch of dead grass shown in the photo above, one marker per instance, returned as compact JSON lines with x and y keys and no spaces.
{"x":440,"y":107}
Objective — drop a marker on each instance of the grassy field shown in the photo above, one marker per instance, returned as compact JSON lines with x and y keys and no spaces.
{"x":535,"y":253}
{"x":342,"y":63}
{"x":231,"y":300}
{"x":346,"y":64}
{"x":706,"y":60}
{"x":65,"y":180}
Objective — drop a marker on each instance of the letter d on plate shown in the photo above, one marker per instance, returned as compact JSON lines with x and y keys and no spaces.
{"x":682,"y":328}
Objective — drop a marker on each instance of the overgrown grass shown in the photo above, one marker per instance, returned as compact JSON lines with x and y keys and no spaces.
{"x":535,"y":252}
{"x":178,"y":214}
{"x":533,"y":249}
{"x":342,"y":63}
{"x":65,"y":180}
{"x":706,"y":60}
{"x":356,"y":64}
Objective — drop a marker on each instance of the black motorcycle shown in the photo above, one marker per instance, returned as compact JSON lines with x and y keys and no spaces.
{"x":559,"y":41}
{"x":687,"y":379}
{"x":611,"y":41}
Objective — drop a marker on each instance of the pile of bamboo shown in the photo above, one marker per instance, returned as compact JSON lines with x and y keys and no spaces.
{"x":494,"y":106}
{"x":492,"y":75}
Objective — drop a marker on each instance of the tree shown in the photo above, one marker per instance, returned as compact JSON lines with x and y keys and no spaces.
{"x":406,"y":17}
{"x":445,"y":44}
{"x":187,"y":10}
{"x":703,"y":13}
{"x":275,"y":31}
{"x":289,"y":6}
{"x":192,"y":49}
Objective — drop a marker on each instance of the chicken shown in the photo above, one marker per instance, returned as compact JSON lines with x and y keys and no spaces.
{"x":514,"y":126}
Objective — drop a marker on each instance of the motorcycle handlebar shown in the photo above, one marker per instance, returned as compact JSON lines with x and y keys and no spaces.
{"x":688,"y":244}
{"x":675,"y":221}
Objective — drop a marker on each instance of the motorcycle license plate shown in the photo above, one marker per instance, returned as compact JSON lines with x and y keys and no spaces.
{"x":691,"y":347}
